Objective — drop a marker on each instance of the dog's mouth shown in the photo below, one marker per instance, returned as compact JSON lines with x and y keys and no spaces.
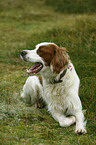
{"x":35,"y":69}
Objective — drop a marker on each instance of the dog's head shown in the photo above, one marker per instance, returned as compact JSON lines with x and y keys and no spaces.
{"x":46,"y":55}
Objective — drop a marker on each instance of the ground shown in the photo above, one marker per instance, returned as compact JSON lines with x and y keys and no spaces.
{"x":23,"y":24}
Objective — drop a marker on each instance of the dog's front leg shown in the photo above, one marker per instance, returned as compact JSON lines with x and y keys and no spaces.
{"x":62,"y":119}
{"x":80,"y":123}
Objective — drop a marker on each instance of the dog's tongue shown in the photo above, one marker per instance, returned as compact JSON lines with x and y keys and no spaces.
{"x":35,"y":68}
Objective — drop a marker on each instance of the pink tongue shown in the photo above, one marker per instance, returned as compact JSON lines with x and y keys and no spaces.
{"x":34,"y":69}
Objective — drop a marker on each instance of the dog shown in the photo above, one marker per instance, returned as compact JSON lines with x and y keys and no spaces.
{"x":60,"y":84}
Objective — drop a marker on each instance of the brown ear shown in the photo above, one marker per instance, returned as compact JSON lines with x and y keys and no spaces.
{"x":60,"y":60}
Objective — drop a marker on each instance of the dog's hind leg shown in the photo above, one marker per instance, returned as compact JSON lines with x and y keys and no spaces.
{"x":32,"y":90}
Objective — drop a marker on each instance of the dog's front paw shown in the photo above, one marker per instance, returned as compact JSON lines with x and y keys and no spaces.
{"x":81,"y":131}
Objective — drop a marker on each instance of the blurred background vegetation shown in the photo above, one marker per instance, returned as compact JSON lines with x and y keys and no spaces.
{"x":73,"y":6}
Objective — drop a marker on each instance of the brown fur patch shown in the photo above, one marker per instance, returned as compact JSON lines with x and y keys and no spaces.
{"x":55,"y":56}
{"x":40,"y":79}
{"x":47,"y":53}
{"x":60,"y":60}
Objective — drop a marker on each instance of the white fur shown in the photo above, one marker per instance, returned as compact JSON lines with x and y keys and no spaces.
{"x":43,"y":44}
{"x":32,"y":90}
{"x":61,"y":98}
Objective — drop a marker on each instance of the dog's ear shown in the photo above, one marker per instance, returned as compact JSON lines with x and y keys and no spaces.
{"x":60,"y":60}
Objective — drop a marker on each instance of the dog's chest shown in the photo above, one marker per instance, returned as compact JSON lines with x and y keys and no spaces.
{"x":55,"y":95}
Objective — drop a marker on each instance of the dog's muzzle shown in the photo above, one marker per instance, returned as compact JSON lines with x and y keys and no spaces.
{"x":23,"y":53}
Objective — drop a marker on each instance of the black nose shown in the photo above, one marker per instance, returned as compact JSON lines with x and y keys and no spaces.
{"x":23,"y":53}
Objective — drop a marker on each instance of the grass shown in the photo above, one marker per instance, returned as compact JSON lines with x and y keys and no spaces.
{"x":23,"y":24}
{"x":73,"y":6}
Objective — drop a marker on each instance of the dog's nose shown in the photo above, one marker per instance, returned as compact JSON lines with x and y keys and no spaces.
{"x":23,"y":53}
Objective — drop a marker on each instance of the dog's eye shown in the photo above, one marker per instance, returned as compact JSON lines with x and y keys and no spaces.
{"x":40,"y":50}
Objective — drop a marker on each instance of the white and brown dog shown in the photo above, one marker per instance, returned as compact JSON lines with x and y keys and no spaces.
{"x":60,"y":84}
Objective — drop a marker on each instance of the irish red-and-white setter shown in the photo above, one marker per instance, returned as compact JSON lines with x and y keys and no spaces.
{"x":60,"y":84}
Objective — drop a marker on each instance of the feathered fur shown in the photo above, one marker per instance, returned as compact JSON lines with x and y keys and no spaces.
{"x":61,"y":98}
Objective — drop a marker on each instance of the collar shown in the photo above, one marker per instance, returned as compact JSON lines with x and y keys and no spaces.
{"x":59,"y":77}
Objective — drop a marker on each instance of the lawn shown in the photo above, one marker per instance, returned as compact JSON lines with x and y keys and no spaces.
{"x":23,"y":24}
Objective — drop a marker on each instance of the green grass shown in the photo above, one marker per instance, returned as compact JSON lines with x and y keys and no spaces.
{"x":23,"y":24}
{"x":73,"y":6}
